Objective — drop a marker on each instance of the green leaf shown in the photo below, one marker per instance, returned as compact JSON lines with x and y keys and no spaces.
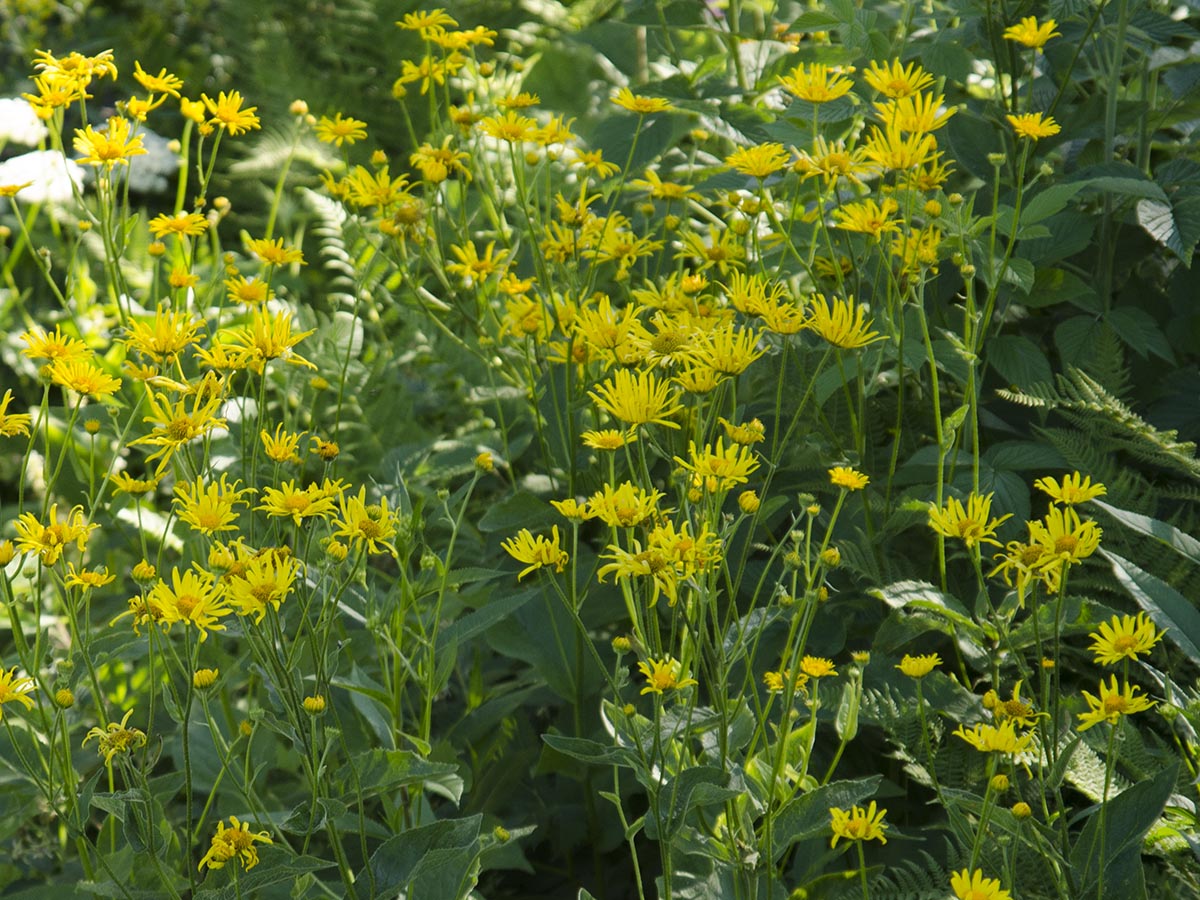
{"x":385,"y":770}
{"x":401,"y":859}
{"x":1053,"y":286}
{"x":589,"y":751}
{"x":694,"y":787}
{"x":275,"y":866}
{"x":521,"y":510}
{"x":1182,"y":543}
{"x":807,"y":816}
{"x":1046,"y":203}
{"x":1166,"y":607}
{"x":1127,"y":818}
{"x":1175,"y":225}
{"x":1075,"y":339}
{"x":479,"y":621}
{"x":1019,"y":360}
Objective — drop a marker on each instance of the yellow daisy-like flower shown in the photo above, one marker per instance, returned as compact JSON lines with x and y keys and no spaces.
{"x":536,"y":552}
{"x":112,"y":146}
{"x":919,"y":666}
{"x":227,"y":113}
{"x":116,"y":738}
{"x":49,"y":541}
{"x":1112,"y":703}
{"x":53,"y":346}
{"x":972,"y":524}
{"x":87,"y":579}
{"x":368,"y":525}
{"x":209,"y":508}
{"x":1124,"y":637}
{"x":512,"y":127}
{"x":637,"y":398}
{"x":1030,"y":34}
{"x":608,"y":438}
{"x":165,"y":336}
{"x":274,"y":253}
{"x":652,"y":563}
{"x":340,"y":130}
{"x":12,"y":424}
{"x":288,"y":501}
{"x":84,"y":377}
{"x":868,"y":216}
{"x":847,"y":478}
{"x":194,"y":598}
{"x":269,"y":336}
{"x":842,"y":323}
{"x":162,"y":83}
{"x":436,"y":164}
{"x":895,"y":80}
{"x":664,"y":675}
{"x":11,"y":190}
{"x":817,"y":667}
{"x":1034,"y":125}
{"x":625,"y":505}
{"x":282,"y":446}
{"x":1002,"y":738}
{"x":776,"y":682}
{"x":971,"y":885}
{"x":1014,"y":708}
{"x":191,"y":223}
{"x":14,"y":689}
{"x":235,"y":842}
{"x":636,"y":103}
{"x":248,"y":291}
{"x":718,"y":468}
{"x":858,"y":824}
{"x":263,"y":580}
{"x":817,"y":83}
{"x":760,"y":161}
{"x":175,"y":424}
{"x":1074,"y":489}
{"x":1065,"y":539}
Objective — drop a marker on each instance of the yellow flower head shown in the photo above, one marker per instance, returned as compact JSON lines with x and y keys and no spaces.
{"x":14,"y":689}
{"x":162,"y":83}
{"x":718,"y":468}
{"x":817,"y":83}
{"x":759,"y":161}
{"x":664,"y":675}
{"x":53,"y":346}
{"x":263,"y":580}
{"x":1112,"y":703}
{"x":12,"y":424}
{"x":234,"y":843}
{"x":847,"y":478}
{"x":165,"y":336}
{"x":1034,"y":125}
{"x":624,"y":506}
{"x":858,"y":824}
{"x":288,"y":501}
{"x":971,"y":885}
{"x":227,"y":113}
{"x":536,"y":552}
{"x":367,"y":525}
{"x":194,"y":598}
{"x":274,"y":253}
{"x":340,"y":130}
{"x":183,"y":223}
{"x":895,"y":80}
{"x":1065,"y":539}
{"x":972,"y":524}
{"x":639,"y":104}
{"x":116,"y":738}
{"x":282,"y":446}
{"x":1030,"y":34}
{"x":1002,"y":738}
{"x":652,"y":563}
{"x":1074,"y":489}
{"x":1124,"y":637}
{"x":109,"y":147}
{"x":842,"y":323}
{"x":86,"y":579}
{"x":637,"y":398}
{"x":608,"y":438}
{"x":817,"y":667}
{"x":867,"y":216}
{"x":919,"y":666}
{"x":50,"y":540}
{"x":209,"y":508}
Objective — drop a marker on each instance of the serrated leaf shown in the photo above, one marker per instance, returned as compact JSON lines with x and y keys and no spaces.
{"x":807,"y":816}
{"x":1046,"y":203}
{"x":385,"y":770}
{"x":395,"y":863}
{"x":589,"y":751}
{"x":1019,"y":360}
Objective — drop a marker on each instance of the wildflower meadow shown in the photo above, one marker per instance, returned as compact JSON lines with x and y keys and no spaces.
{"x":600,"y":450}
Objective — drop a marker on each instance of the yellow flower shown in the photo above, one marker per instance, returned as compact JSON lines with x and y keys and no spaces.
{"x":368,"y":525}
{"x":639,"y":104}
{"x":282,"y":446}
{"x":896,"y":149}
{"x":1014,"y":709}
{"x":203,"y":679}
{"x":250,"y":291}
{"x":1034,"y":125}
{"x":49,"y":541}
{"x":608,"y":438}
{"x":264,"y":579}
{"x":624,"y":506}
{"x":209,"y":508}
{"x":471,"y":266}
{"x":109,"y":147}
{"x":162,"y":83}
{"x":664,"y":675}
{"x":288,"y":501}
{"x":725,"y":348}
{"x":747,"y":433}
{"x":12,"y":424}
{"x":776,"y":682}
{"x":537,"y":551}
{"x":858,"y":824}
{"x":919,"y":666}
{"x":437,"y":163}
{"x":916,"y":113}
{"x":11,"y":190}
{"x":84,"y":377}
{"x":1075,"y":488}
{"x":1112,"y":703}
{"x":175,"y":424}
{"x":135,"y":487}
{"x":511,"y":128}
{"x":314,"y":705}
{"x":971,"y":523}
{"x":193,"y":598}
{"x":339,"y":130}
{"x":227,"y":113}
{"x":640,"y":398}
{"x":847,"y":478}
{"x":572,"y":509}
{"x":53,"y":346}
{"x":181,"y":224}
{"x":269,"y":336}
{"x":817,"y":667}
{"x":867,"y":216}
{"x":971,"y":885}
{"x":1030,"y":34}
{"x":842,"y":323}
{"x":894,"y":80}
{"x":652,"y":563}
{"x":1124,"y":637}
{"x":86,"y":579}
{"x":759,"y":161}
{"x":718,"y":468}
{"x":16,"y":689}
{"x":273,"y":253}
{"x":164,"y":337}
{"x":116,"y":738}
{"x":235,"y":842}
{"x":427,"y":21}
{"x":1002,"y":738}
{"x":1065,"y":539}
{"x":817,"y":83}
